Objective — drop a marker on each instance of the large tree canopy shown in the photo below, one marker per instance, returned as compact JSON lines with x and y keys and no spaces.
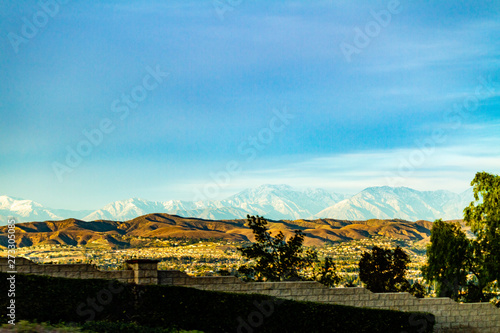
{"x":448,"y":259}
{"x":470,"y":265}
{"x":383,"y":270}
{"x":273,"y":258}
{"x":483,"y":216}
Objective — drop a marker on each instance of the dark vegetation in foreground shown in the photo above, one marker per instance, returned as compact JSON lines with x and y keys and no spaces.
{"x":55,"y":300}
{"x":24,"y":326}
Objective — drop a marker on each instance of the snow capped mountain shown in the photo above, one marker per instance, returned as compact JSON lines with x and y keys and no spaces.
{"x":126,"y":210}
{"x":271,"y":201}
{"x":277,"y":202}
{"x":400,"y":202}
{"x":28,"y":210}
{"x":282,"y":201}
{"x":134,"y":207}
{"x":24,"y":209}
{"x":224,"y":213}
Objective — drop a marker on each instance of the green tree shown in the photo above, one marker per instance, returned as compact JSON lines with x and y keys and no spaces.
{"x":384,"y":270}
{"x":273,"y":258}
{"x":327,"y":274}
{"x":452,"y":257}
{"x":417,"y":290}
{"x":483,"y":216}
{"x":448,"y":259}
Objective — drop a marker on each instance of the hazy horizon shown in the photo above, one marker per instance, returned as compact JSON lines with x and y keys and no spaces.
{"x":348,"y":195}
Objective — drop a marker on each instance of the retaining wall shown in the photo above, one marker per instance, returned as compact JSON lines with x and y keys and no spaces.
{"x":75,"y":271}
{"x":450,"y":316}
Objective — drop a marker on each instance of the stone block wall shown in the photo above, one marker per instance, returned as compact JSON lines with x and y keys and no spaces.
{"x":75,"y":271}
{"x":450,"y":316}
{"x":145,"y":270}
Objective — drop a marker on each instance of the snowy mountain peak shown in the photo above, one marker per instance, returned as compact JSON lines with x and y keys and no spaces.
{"x":23,"y":209}
{"x":275,"y":202}
{"x":399,"y":202}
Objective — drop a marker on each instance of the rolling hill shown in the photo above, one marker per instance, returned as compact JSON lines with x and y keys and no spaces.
{"x":118,"y":234}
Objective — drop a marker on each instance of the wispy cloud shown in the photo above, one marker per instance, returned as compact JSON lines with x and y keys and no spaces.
{"x":354,"y":122}
{"x":451,"y":168}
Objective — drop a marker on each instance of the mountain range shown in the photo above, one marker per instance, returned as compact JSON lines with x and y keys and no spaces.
{"x":277,"y":202}
{"x":124,"y":234}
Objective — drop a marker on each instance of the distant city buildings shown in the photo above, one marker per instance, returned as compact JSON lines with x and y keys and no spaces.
{"x":204,"y":258}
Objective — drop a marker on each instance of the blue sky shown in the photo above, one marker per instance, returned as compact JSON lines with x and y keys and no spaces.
{"x":266,"y":88}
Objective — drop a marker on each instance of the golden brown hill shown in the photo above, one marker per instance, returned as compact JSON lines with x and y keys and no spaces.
{"x":119,"y":234}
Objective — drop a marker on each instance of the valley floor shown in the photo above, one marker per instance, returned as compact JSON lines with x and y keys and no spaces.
{"x":205,"y":258}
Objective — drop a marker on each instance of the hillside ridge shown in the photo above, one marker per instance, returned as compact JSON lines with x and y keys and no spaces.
{"x":114,"y":234}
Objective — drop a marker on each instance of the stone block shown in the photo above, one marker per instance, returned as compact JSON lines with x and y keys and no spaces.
{"x":152,"y":274}
{"x":222,"y":280}
{"x":247,"y":286}
{"x":195,"y":280}
{"x":76,"y":268}
{"x":87,"y":268}
{"x":284,"y":285}
{"x":143,"y":281}
{"x":361,"y":290}
{"x":166,"y":273}
{"x":213,"y":280}
{"x":233,"y":287}
{"x":222,"y":287}
{"x":354,"y":298}
{"x":126,"y":274}
{"x":56,"y":274}
{"x":273,"y":292}
{"x":37,"y":269}
{"x":22,"y":269}
{"x":230,"y":279}
{"x":291,"y":285}
{"x":63,"y":267}
{"x":74,"y":275}
{"x":319,"y":292}
{"x":323,"y":299}
{"x":258,"y":285}
{"x":315,"y":298}
{"x":263,"y":285}
{"x":166,"y":281}
{"x":301,"y":292}
{"x":372,"y":304}
{"x":343,"y":291}
{"x":139,"y":274}
{"x":285,"y":292}
{"x":100,"y":275}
